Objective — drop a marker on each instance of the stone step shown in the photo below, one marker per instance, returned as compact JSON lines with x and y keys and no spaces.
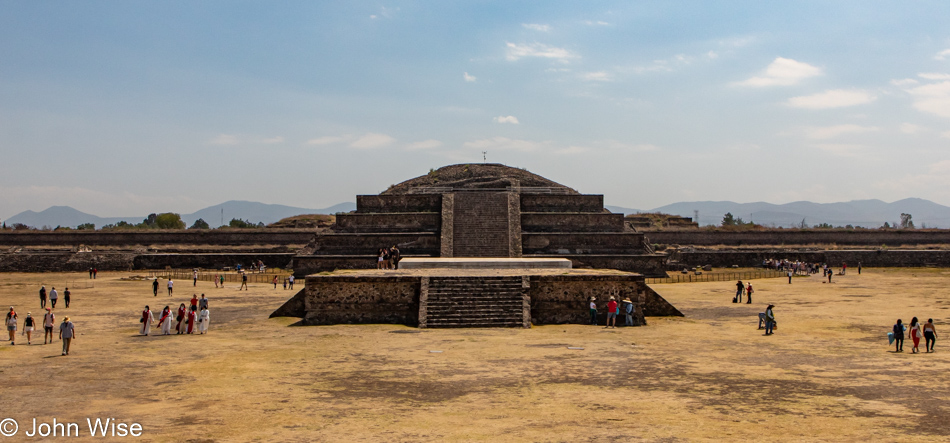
{"x":506,"y":324}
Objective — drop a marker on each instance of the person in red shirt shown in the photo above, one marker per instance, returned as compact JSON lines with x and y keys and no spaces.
{"x":611,"y":313}
{"x":194,"y":302}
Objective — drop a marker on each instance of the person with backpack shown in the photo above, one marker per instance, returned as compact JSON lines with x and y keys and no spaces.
{"x":899,"y":336}
{"x":11,"y":323}
{"x":28,"y":325}
{"x":146,"y":320}
{"x":49,"y":320}
{"x":628,"y":309}
{"x":67,"y":332}
{"x":66,"y":297}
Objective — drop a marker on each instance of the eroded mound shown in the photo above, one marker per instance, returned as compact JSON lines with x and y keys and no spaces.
{"x":478,"y":175}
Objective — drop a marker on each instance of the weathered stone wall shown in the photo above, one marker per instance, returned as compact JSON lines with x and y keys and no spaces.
{"x":412,"y":243}
{"x":581,"y":242}
{"x":648,"y":265}
{"x":562,"y":203}
{"x":65,"y":261}
{"x":391,"y":222}
{"x":339,"y":300}
{"x":571,"y":222}
{"x":209,"y":261}
{"x":873,"y":238}
{"x":235,"y":237}
{"x":447,"y":233}
{"x":399,"y":203}
{"x":564,"y":299}
{"x":867,"y":258}
{"x":514,"y":225}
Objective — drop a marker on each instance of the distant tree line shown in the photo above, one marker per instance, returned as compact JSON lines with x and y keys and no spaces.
{"x":731,"y":222}
{"x":165,"y":220}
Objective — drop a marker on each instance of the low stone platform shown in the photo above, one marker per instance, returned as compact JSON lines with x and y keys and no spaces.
{"x":483,"y":263}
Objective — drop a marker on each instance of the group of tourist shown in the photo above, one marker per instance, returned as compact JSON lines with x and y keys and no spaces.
{"x":928,"y":332}
{"x":388,"y":258}
{"x":740,"y":289}
{"x":188,"y":319}
{"x":93,"y":272}
{"x":53,"y":297}
{"x":288,"y":281}
{"x":613,"y":311}
{"x":67,"y":330}
{"x":803,"y":268}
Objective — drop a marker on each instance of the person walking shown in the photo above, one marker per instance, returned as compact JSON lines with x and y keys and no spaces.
{"x":146,"y":320}
{"x":748,"y":294}
{"x":195,"y":277}
{"x":28,"y":325}
{"x":49,"y":320}
{"x":53,"y":296}
{"x":593,"y":311}
{"x":915,"y":335}
{"x":180,"y":326}
{"x":222,"y":280}
{"x":66,"y":297}
{"x":171,"y":286}
{"x":216,"y":280}
{"x":203,"y":318}
{"x":194,"y":301}
{"x":155,"y":287}
{"x":899,"y":336}
{"x":611,"y":313}
{"x":11,"y":323}
{"x":291,"y":280}
{"x":628,"y":310}
{"x":192,"y":319}
{"x":769,"y":320}
{"x":275,"y":282}
{"x":95,"y":273}
{"x":42,"y":296}
{"x":859,"y":268}
{"x":67,"y":332}
{"x":165,"y":321}
{"x":243,"y":282}
{"x":930,"y":334}
{"x":203,"y":303}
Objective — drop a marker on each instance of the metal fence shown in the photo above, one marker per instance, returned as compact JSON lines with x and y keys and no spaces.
{"x":188,"y":274}
{"x":718,"y":276}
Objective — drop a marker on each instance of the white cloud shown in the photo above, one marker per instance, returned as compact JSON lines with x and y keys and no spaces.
{"x":273,"y":140}
{"x":712,"y":55}
{"x":372,"y":140}
{"x":469,"y":78}
{"x":536,"y":27}
{"x":933,"y":98}
{"x":329,"y":139}
{"x":826,"y":132}
{"x":945,"y":134}
{"x":910,"y":128}
{"x":509,"y":119}
{"x":783,"y":72}
{"x":841,"y":149}
{"x":942,"y":55}
{"x":599,"y":76}
{"x":572,"y":150}
{"x":224,"y":140}
{"x":595,"y":23}
{"x":934,"y":76}
{"x":904,"y":82}
{"x":516,"y":51}
{"x":835,"y":98}
{"x":504,"y":143}
{"x":425,"y":144}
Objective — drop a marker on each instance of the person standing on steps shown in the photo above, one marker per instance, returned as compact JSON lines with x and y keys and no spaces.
{"x":748,"y":294}
{"x":171,"y":286}
{"x":42,"y":296}
{"x":53,"y":297}
{"x":67,"y":332}
{"x":930,"y":334}
{"x":155,"y":287}
{"x":769,"y":320}
{"x":899,"y":336}
{"x":66,"y":295}
{"x":593,"y":311}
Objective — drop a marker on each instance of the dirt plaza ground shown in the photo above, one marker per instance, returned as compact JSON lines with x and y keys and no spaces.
{"x":827,"y":374}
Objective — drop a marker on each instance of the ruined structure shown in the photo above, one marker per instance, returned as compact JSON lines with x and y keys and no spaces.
{"x":481,"y":210}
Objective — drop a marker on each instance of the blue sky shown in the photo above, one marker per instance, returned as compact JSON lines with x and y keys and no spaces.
{"x":126,"y":108}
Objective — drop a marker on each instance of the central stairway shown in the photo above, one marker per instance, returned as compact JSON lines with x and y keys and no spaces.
{"x":475,"y":302}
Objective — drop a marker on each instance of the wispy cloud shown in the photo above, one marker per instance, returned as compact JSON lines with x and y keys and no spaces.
{"x":572,"y":150}
{"x":595,"y":23}
{"x":234,"y":139}
{"x":841,"y":149}
{"x":934,"y":76}
{"x":904,"y":82}
{"x":224,"y":140}
{"x":826,"y":132}
{"x":372,"y":140}
{"x":329,"y":140}
{"x":942,"y":55}
{"x":599,"y":76}
{"x":910,"y":128}
{"x":273,"y":140}
{"x":536,"y":27}
{"x":469,"y":78}
{"x":933,"y":98}
{"x":505,"y":143}
{"x":425,"y":144}
{"x":509,"y":119}
{"x":783,"y":72}
{"x":835,"y":98}
{"x":518,"y":51}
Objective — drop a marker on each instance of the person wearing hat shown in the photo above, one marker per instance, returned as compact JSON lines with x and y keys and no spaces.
{"x":769,"y":320}
{"x":611,"y":313}
{"x":11,"y":325}
{"x":593,"y":311}
{"x":67,"y":331}
{"x":628,"y":310}
{"x":48,"y":321}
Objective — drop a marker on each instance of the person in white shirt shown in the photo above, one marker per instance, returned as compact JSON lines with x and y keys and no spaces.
{"x":203,"y":318}
{"x":170,"y":285}
{"x":49,"y":320}
{"x":147,"y":320}
{"x":53,"y":296}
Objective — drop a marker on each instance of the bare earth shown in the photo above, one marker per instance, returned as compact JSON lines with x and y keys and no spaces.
{"x":826,"y":375}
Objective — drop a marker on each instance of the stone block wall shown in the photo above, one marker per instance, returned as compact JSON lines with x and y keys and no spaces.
{"x":581,"y":243}
{"x":562,"y":203}
{"x":564,"y":299}
{"x":571,"y":222}
{"x":410,"y":243}
{"x":236,"y":237}
{"x":389,"y":222}
{"x":398,"y":203}
{"x":359,"y":300}
{"x":867,"y":238}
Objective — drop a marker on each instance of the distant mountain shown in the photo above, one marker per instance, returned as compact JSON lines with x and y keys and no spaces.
{"x":622,"y":210}
{"x":250,"y":211}
{"x":866,"y":213}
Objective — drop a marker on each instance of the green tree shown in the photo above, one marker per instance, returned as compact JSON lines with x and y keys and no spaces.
{"x":200,"y":224}
{"x":169,"y":220}
{"x":906,"y":222}
{"x":86,"y":226}
{"x":728,"y":220}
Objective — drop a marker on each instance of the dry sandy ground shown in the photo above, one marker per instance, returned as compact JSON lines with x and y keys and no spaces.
{"x":826,"y":375}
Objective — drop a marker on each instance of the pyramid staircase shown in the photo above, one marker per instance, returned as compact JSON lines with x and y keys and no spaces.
{"x":474,"y":302}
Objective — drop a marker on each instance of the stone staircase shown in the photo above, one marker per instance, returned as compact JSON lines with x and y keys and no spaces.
{"x":474,"y":302}
{"x":480,"y":224}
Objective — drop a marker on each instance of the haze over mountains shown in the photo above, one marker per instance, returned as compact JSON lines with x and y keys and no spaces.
{"x":866,"y":213}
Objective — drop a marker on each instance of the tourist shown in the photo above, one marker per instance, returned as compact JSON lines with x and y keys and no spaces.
{"x":748,"y":294}
{"x":593,"y":311}
{"x":165,"y":321}
{"x":180,"y":327}
{"x":769,"y":320}
{"x":761,"y":320}
{"x":203,"y":318}
{"x":216,"y":280}
{"x":899,"y":336}
{"x":53,"y":296}
{"x":611,"y":312}
{"x":171,"y":286}
{"x":291,"y":281}
{"x":915,"y":335}
{"x":844,"y":268}
{"x":859,"y":268}
{"x":195,"y":277}
{"x":42,"y":296}
{"x":930,"y":334}
{"x":394,"y":256}
{"x":628,"y":309}
{"x":275,"y":282}
{"x":192,"y":319}
{"x":95,"y":273}
{"x":203,"y":303}
{"x":146,"y":320}
{"x":49,"y":321}
{"x":379,"y":258}
{"x":790,"y":277}
{"x":194,"y":301}
{"x":243,"y":281}
{"x":90,"y":273}
{"x":222,"y":280}
{"x":830,"y":273}
{"x":66,"y":297}
{"x":739,"y":288}
{"x":11,"y":322}
{"x":28,"y":324}
{"x":285,"y":284}
{"x":67,"y":332}
{"x":155,"y":287}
